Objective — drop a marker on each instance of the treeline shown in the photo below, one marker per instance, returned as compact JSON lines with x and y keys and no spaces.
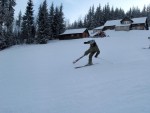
{"x":6,"y":23}
{"x":28,"y":29}
{"x":48,"y":24}
{"x":98,"y":16}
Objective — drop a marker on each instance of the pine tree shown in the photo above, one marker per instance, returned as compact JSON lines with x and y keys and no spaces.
{"x":6,"y":21}
{"x":129,"y":13}
{"x":1,"y":23}
{"x":17,"y":31}
{"x":74,"y":25}
{"x":17,"y":28}
{"x":121,"y":14}
{"x":43,"y":26}
{"x":148,"y":14}
{"x":135,"y":12}
{"x":1,"y":17}
{"x":51,"y":22}
{"x":105,"y":13}
{"x":90,"y":18}
{"x":56,"y":23}
{"x":85,"y":22}
{"x":28,"y":24}
{"x":98,"y":17}
{"x":144,"y":11}
{"x":9,"y":16}
{"x":61,"y":20}
{"x":18,"y":22}
{"x":80,"y":24}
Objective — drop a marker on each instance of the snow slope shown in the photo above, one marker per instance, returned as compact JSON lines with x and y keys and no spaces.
{"x":42,"y":78}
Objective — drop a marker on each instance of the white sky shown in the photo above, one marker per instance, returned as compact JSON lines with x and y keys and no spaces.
{"x":74,"y":9}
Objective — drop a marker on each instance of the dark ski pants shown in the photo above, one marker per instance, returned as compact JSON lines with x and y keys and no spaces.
{"x":90,"y":57}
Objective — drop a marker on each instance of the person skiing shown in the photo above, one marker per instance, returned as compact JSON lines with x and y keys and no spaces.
{"x":92,"y":50}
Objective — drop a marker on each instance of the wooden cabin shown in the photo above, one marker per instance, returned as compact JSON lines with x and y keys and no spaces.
{"x":98,"y":29}
{"x":125,"y":27}
{"x":110,"y":24}
{"x":74,"y":34}
{"x":127,"y":24}
{"x":140,"y":24}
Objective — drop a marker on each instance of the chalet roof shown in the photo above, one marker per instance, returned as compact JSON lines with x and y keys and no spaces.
{"x":112,"y":22}
{"x":97,"y":28}
{"x":118,"y":22}
{"x":126,"y":19}
{"x":139,"y":20}
{"x":74,"y":31}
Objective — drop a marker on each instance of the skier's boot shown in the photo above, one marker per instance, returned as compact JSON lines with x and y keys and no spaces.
{"x":90,"y":62}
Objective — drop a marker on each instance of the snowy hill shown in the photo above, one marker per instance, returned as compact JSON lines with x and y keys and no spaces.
{"x":42,"y":78}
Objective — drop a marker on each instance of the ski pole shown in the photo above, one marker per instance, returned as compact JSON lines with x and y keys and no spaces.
{"x":78,"y":59}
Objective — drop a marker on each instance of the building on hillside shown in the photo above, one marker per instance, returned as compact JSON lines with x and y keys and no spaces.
{"x":110,"y":24}
{"x":127,"y":24}
{"x":74,"y":34}
{"x":97,"y":32}
{"x":98,"y":29}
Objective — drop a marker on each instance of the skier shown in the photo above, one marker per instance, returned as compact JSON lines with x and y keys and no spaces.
{"x":92,"y":50}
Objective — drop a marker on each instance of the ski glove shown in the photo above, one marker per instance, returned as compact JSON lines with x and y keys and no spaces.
{"x":97,"y":54}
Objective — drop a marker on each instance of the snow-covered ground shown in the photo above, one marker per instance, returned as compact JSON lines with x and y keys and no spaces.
{"x":42,"y":78}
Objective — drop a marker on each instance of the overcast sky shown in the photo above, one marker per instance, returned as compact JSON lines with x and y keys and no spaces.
{"x":75,"y":9}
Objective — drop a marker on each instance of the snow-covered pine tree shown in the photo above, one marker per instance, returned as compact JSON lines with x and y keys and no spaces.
{"x":80,"y":24}
{"x":9,"y":15}
{"x":6,"y":21}
{"x":1,"y":24}
{"x":1,"y":17}
{"x":18,"y":22}
{"x":43,"y":26}
{"x":106,"y":12}
{"x":129,"y":13}
{"x":85,"y":23}
{"x":144,"y":11}
{"x":98,"y":17}
{"x":27,"y":29}
{"x":56,"y":23}
{"x":51,"y":21}
{"x":74,"y":25}
{"x":135,"y":12}
{"x":61,"y":20}
{"x":148,"y":14}
{"x":24,"y":31}
{"x":90,"y":18}
{"x":17,"y":31}
{"x":9,"y":18}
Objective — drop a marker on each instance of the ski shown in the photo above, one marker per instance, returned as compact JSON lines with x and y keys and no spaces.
{"x":146,"y":48}
{"x":84,"y":66}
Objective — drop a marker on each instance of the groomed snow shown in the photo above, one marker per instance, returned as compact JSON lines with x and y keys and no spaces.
{"x":42,"y":78}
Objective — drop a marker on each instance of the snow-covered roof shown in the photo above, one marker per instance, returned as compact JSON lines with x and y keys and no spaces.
{"x":139,"y":20}
{"x":101,"y":27}
{"x":74,"y":31}
{"x":93,"y":34}
{"x":118,"y":22}
{"x":112,"y":22}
